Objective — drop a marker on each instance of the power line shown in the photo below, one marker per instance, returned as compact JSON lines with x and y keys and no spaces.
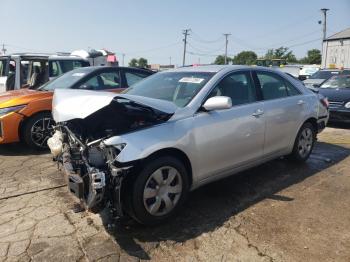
{"x":197,"y":38}
{"x":153,"y":49}
{"x":205,"y":51}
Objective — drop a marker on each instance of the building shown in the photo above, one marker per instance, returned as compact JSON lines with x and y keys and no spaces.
{"x":336,"y":50}
{"x":158,"y":67}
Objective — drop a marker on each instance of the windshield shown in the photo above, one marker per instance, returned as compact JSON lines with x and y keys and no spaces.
{"x":66,"y":80}
{"x":323,"y":74}
{"x":176,"y":87}
{"x":341,"y":81}
{"x":3,"y":63}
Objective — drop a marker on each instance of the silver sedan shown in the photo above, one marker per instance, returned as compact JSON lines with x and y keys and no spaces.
{"x":143,"y":151}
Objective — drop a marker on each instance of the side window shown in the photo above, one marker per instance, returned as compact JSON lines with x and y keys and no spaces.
{"x":133,"y":77}
{"x":107,"y":80}
{"x":292,"y":91}
{"x":92,"y":83}
{"x":273,"y":86}
{"x":237,"y":86}
{"x":54,"y":69}
{"x":110,"y":80}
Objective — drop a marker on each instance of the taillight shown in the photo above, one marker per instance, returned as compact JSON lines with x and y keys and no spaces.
{"x":324,"y":101}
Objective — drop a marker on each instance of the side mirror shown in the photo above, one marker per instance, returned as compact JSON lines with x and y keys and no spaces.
{"x":218,"y":103}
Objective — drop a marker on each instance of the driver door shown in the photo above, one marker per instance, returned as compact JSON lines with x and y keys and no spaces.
{"x":230,"y":138}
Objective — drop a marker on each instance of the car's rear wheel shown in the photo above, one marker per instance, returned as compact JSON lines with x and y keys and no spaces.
{"x":37,"y":130}
{"x":304,"y":143}
{"x":159,"y":190}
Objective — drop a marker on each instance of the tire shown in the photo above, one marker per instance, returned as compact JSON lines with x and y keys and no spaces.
{"x":33,"y":133}
{"x":304,"y":143}
{"x":151,"y":202}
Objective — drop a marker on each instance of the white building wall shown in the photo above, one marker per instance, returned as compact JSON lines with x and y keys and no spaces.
{"x":336,"y":53}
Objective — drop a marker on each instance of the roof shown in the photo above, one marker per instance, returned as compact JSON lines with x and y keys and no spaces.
{"x":60,"y":55}
{"x":208,"y":68}
{"x":345,"y":34}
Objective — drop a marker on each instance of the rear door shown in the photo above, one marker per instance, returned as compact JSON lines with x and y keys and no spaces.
{"x":284,"y":110}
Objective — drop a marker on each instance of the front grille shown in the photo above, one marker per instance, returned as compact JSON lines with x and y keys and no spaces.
{"x":333,"y":104}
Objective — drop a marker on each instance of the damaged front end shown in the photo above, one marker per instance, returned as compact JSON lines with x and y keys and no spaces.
{"x":93,"y":172}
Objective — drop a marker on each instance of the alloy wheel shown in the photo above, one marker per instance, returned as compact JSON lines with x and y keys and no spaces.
{"x":162,"y":191}
{"x":305,"y":142}
{"x":41,"y":131}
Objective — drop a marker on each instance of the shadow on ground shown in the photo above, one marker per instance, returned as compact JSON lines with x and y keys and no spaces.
{"x":211,"y":206}
{"x":19,"y":149}
{"x":339,"y":125}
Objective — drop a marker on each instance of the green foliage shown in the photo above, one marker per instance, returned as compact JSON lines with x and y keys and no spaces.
{"x":313,"y":57}
{"x":245,"y":58}
{"x":281,"y":53}
{"x":133,"y":62}
{"x":220,"y":60}
{"x":141,"y":62}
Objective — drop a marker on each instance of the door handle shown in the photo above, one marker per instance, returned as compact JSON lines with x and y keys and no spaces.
{"x":258,"y":113}
{"x":301,"y":102}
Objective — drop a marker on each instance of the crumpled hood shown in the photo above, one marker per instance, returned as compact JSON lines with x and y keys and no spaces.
{"x":21,"y":97}
{"x":312,"y":82}
{"x":71,"y":104}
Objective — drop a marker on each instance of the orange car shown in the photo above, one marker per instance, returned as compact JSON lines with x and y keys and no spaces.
{"x":25,"y":115}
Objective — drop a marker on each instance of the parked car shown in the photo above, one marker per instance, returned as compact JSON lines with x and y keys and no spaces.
{"x":308,"y":70}
{"x":337,"y":90}
{"x":143,"y":150}
{"x":320,"y":76}
{"x":24,"y":70}
{"x":25,"y":115}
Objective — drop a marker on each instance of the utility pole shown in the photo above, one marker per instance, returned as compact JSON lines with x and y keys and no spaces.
{"x":123,"y":56}
{"x":3,"y":49}
{"x":324,"y":52}
{"x":324,"y":10}
{"x":226,"y":43}
{"x":169,"y":60}
{"x":185,"y":33}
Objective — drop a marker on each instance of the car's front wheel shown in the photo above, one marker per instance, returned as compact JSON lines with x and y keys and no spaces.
{"x":37,"y":130}
{"x":159,"y":190}
{"x":304,"y":143}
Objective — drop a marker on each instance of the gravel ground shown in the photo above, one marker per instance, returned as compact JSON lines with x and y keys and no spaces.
{"x":278,"y":211}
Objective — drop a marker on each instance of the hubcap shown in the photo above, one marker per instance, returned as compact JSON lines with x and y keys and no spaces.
{"x":305,"y":142}
{"x":162,"y":191}
{"x":41,"y":131}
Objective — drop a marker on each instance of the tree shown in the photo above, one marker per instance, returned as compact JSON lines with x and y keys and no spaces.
{"x":313,"y":57}
{"x":281,"y":53}
{"x":245,"y":58}
{"x":133,"y":62}
{"x":220,"y":60}
{"x":141,"y":62}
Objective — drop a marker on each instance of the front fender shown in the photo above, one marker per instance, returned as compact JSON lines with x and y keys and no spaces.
{"x":142,"y":143}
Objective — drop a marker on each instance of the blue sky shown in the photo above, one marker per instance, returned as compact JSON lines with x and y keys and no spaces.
{"x":153,"y":28}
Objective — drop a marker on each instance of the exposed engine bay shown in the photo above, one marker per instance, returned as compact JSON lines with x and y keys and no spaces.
{"x":94,"y":175}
